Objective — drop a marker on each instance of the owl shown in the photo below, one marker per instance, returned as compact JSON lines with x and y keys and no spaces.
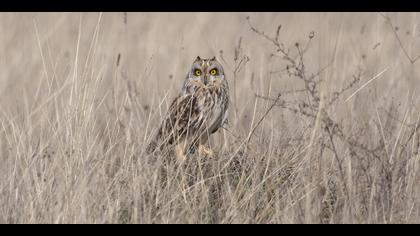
{"x":198,"y":111}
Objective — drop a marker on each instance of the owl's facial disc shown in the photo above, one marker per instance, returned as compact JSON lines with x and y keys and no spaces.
{"x":206,"y":71}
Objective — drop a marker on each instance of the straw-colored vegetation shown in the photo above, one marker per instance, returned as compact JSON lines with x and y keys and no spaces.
{"x":323,"y":122}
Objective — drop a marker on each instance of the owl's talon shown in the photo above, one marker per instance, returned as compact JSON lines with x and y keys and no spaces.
{"x":179,"y":153}
{"x":203,"y":151}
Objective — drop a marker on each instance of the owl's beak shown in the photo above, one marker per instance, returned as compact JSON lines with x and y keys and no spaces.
{"x":206,"y":79}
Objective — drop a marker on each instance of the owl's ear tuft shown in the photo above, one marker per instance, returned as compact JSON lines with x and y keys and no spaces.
{"x":198,"y":58}
{"x":213,"y":59}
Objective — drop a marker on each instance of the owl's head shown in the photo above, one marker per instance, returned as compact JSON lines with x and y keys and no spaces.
{"x":204,"y":73}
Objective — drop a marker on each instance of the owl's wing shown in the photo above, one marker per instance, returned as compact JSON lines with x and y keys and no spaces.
{"x":180,"y":119}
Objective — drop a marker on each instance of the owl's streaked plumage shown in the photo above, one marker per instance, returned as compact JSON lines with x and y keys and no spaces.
{"x":198,"y":111}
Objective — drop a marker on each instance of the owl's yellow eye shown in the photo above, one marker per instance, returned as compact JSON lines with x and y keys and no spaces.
{"x":213,"y":72}
{"x":197,"y":72}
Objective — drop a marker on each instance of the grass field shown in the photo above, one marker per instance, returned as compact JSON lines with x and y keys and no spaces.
{"x":82,"y":93}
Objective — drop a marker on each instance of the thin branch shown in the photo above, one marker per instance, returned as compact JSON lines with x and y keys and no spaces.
{"x":248,"y":139}
{"x":388,"y":20}
{"x":263,"y":117}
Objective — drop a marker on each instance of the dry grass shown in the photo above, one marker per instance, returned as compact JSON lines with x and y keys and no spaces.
{"x":82,"y":93}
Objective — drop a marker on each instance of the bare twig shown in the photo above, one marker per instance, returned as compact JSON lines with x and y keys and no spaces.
{"x":248,"y":139}
{"x":263,"y":117}
{"x":388,"y":20}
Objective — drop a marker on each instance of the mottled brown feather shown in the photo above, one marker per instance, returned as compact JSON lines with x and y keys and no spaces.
{"x":189,"y":116}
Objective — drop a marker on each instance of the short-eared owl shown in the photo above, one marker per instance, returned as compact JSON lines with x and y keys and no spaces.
{"x":198,"y":111}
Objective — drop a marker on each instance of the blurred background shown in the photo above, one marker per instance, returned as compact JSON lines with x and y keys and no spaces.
{"x":157,"y":49}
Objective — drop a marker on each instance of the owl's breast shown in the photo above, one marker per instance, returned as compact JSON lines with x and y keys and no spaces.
{"x":212,"y":104}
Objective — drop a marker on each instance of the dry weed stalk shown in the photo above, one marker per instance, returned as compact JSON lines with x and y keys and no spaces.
{"x":332,"y":133}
